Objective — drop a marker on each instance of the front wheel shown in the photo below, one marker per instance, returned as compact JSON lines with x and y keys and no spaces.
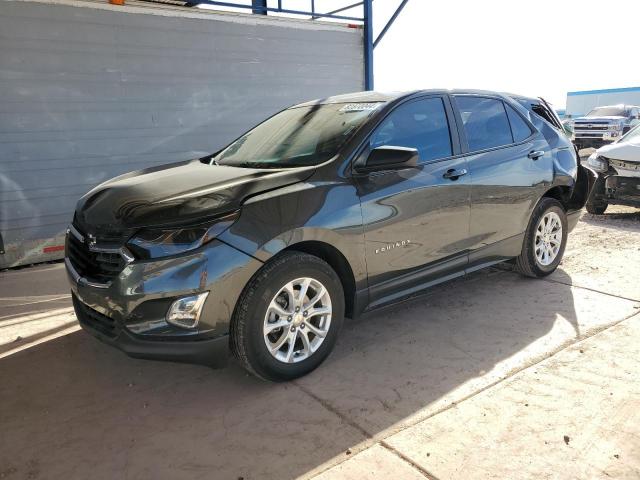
{"x":545,"y":240}
{"x":288,"y":317}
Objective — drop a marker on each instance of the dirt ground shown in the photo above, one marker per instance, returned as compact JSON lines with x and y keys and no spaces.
{"x":516,"y":378}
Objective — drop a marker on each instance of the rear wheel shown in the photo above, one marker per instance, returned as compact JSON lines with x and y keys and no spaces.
{"x":596,"y":208}
{"x":288,"y":317}
{"x":545,"y":240}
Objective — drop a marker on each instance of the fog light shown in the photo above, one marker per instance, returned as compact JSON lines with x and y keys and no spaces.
{"x":185,"y":311}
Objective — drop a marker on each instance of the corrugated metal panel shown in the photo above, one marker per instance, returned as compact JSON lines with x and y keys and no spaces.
{"x":88,"y":92}
{"x":582,"y":102}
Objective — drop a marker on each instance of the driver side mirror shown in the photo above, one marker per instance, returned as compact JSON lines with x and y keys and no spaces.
{"x":389,"y":157}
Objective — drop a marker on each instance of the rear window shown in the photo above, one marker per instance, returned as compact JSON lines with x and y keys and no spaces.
{"x":485,"y":122}
{"x":541,"y":111}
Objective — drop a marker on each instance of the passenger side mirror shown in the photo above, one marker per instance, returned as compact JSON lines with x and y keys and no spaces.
{"x":389,"y":157}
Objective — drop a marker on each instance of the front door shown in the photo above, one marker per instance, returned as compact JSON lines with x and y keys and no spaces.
{"x":416,"y":217}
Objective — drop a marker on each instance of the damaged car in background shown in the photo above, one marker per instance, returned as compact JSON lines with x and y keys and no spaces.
{"x":618,"y":168}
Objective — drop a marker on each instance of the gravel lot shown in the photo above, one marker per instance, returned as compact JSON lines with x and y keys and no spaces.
{"x":517,"y":378}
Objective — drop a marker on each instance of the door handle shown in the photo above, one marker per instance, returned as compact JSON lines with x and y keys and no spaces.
{"x":453,"y":174}
{"x":535,"y":154}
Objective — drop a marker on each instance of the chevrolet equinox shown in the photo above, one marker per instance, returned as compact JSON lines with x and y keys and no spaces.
{"x":327,"y":209}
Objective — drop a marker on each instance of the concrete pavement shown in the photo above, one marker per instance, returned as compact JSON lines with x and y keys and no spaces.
{"x":482,"y":378}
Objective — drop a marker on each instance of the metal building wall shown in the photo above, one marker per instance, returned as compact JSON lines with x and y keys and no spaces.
{"x":90,"y":90}
{"x":581,"y":103}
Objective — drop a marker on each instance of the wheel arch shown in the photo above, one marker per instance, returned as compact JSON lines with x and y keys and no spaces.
{"x":337,"y":261}
{"x":562,"y":193}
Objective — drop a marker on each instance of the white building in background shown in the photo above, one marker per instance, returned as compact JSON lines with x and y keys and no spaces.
{"x":581,"y":103}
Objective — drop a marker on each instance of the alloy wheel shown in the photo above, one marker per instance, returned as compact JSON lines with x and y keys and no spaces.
{"x":297,"y":320}
{"x":548,"y":238}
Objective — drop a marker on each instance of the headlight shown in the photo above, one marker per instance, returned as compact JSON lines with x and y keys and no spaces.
{"x":163,"y":242}
{"x":615,"y":126}
{"x":598,"y":163}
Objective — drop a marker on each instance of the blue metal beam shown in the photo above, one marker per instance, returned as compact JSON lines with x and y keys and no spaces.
{"x":368,"y":44}
{"x":280,"y":10}
{"x":259,"y":6}
{"x":390,"y":22}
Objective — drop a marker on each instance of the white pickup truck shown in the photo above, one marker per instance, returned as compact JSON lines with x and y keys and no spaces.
{"x":604,"y":125}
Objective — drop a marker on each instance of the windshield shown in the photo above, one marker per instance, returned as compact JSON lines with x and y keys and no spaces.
{"x":299,"y":136}
{"x":608,"y":112}
{"x":633,"y":136}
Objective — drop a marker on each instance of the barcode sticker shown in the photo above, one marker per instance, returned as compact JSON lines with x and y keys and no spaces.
{"x":360,"y":107}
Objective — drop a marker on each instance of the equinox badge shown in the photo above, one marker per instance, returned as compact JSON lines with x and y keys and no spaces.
{"x":391,"y":246}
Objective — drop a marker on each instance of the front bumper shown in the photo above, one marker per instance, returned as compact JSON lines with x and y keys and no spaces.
{"x":129,"y":313}
{"x":622,"y":190}
{"x":591,"y":142}
{"x":596,"y":138}
{"x":616,"y":190}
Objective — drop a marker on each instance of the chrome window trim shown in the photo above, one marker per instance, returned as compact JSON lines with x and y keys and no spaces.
{"x":71,"y":229}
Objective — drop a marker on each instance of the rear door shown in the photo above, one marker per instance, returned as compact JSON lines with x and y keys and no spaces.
{"x":510,"y":167}
{"x":418,"y":216}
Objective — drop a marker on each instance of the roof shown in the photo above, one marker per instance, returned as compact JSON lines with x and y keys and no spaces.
{"x":373,"y":96}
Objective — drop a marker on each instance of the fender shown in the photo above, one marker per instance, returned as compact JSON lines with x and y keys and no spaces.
{"x":325,"y":212}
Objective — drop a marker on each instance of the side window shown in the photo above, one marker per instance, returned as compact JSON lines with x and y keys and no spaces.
{"x":485,"y":122}
{"x":421,"y":124}
{"x":519,"y":127}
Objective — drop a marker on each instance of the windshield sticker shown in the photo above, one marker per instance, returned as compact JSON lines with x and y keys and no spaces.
{"x":360,"y":107}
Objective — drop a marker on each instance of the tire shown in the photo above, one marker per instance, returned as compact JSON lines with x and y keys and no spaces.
{"x":257,"y":311}
{"x":596,"y":208}
{"x":529,"y":263}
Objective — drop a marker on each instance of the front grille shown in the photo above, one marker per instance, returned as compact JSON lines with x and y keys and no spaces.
{"x":593,"y":135}
{"x":94,"y":319}
{"x":584,"y":127}
{"x":93,"y":264}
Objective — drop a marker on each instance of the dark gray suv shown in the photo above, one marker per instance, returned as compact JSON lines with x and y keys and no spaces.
{"x":327,"y":209}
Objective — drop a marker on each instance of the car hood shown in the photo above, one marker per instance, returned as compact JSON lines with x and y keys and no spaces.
{"x":176,"y":194}
{"x":628,"y":151}
{"x":610,"y":118}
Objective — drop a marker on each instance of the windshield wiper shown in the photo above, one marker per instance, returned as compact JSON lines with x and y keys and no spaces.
{"x":264,"y":165}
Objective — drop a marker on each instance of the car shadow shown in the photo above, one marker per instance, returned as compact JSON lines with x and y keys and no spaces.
{"x":622,"y":219}
{"x":75,"y":408}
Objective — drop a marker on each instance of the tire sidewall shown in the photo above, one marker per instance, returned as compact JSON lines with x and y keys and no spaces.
{"x":545,"y":206}
{"x":257,"y":352}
